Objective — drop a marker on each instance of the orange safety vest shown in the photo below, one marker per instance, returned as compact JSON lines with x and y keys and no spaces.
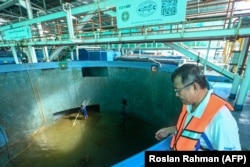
{"x":186,"y":138}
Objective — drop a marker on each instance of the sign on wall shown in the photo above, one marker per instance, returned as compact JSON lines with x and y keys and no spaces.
{"x":132,"y":13}
{"x":18,"y":33}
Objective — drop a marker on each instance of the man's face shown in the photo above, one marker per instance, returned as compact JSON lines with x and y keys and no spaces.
{"x":183,"y":92}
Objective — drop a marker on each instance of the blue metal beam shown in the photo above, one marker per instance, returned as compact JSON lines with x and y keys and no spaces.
{"x":109,"y":37}
{"x":201,"y":60}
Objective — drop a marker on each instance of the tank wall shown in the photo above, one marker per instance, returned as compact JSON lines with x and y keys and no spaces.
{"x":32,"y":94}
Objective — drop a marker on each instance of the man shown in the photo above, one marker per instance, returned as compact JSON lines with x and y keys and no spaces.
{"x":84,"y":111}
{"x":205,"y":122}
{"x":123,"y":111}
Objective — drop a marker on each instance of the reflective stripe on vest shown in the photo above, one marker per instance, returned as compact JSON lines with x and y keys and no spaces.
{"x":191,"y":134}
{"x":187,"y":137}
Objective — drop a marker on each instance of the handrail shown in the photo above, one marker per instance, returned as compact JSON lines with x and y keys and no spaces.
{"x":187,"y":26}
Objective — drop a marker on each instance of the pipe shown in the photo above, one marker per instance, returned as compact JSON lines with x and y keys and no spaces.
{"x":244,"y":89}
{"x":245,"y":49}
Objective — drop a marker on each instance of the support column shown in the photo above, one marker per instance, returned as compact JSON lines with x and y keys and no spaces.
{"x":77,"y":52}
{"x":45,"y":53}
{"x":206,"y":60}
{"x":13,"y":49}
{"x":26,"y":4}
{"x":121,"y":49}
{"x":41,"y":36}
{"x":67,"y":9}
{"x":32,"y":54}
{"x":243,"y":88}
{"x":235,"y":86}
{"x":72,"y":56}
{"x":237,"y":78}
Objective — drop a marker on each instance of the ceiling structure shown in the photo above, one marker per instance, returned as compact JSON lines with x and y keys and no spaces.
{"x":13,"y":11}
{"x":94,"y":22}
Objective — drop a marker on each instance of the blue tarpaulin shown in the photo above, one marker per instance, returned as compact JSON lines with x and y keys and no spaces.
{"x":3,"y":137}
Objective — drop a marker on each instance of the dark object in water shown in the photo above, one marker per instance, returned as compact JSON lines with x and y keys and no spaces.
{"x":85,"y":160}
{"x":124,"y":102}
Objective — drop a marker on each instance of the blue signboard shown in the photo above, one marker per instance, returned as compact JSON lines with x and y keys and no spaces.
{"x":18,"y":33}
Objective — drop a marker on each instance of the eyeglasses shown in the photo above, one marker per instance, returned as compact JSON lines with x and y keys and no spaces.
{"x":180,"y":89}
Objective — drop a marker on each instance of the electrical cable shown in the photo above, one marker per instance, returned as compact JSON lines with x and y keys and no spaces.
{"x":77,"y":99}
{"x":36,"y":91}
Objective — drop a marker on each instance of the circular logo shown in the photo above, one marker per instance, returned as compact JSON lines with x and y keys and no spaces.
{"x":146,"y":8}
{"x":125,"y":16}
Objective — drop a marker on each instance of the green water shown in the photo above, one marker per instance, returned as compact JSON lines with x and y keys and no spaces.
{"x":101,"y":140}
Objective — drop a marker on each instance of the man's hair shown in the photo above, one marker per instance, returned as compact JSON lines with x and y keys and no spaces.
{"x":190,"y":73}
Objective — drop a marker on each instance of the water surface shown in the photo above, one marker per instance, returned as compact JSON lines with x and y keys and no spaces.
{"x":101,"y":140}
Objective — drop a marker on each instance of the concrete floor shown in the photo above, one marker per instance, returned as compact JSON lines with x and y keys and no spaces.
{"x":242,"y":117}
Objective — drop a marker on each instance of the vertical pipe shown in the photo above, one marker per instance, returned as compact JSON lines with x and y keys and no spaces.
{"x":99,"y":16}
{"x":46,"y":54}
{"x":13,"y":49}
{"x":237,"y":78}
{"x":77,"y":52}
{"x":32,"y":54}
{"x":207,"y":55}
{"x":31,"y":49}
{"x":244,"y":52}
{"x":235,"y":86}
{"x":29,"y":10}
{"x":198,"y":8}
{"x":244,"y":88}
{"x":44,"y":6}
{"x":67,"y":9}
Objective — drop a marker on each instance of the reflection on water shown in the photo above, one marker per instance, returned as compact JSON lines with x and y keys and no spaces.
{"x":101,"y":140}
